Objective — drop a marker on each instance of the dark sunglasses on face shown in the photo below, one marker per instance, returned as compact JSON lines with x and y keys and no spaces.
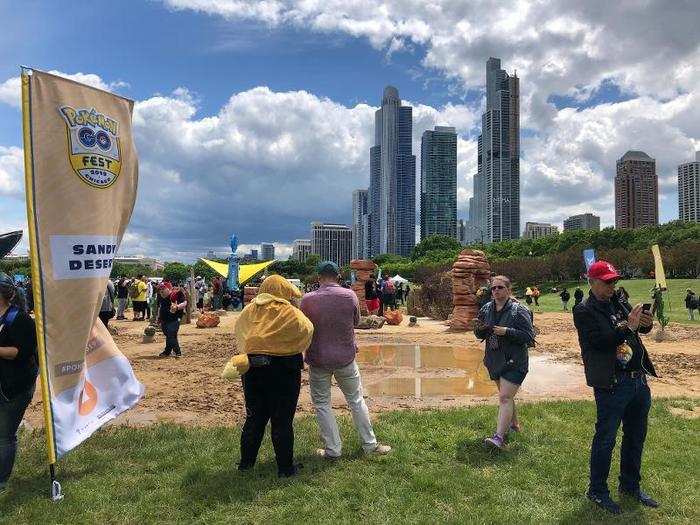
{"x":498,"y":287}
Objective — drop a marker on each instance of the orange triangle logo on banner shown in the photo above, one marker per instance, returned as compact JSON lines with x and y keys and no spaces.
{"x":88,"y":399}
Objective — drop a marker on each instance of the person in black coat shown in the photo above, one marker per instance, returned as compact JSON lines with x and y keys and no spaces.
{"x":616,"y":365}
{"x":18,"y":371}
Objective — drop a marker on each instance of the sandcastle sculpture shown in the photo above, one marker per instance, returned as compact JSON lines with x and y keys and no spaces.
{"x":363,"y":270}
{"x":208,"y":320}
{"x":470,"y":271}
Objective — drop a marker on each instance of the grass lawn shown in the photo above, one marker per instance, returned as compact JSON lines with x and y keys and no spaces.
{"x":639,"y":293}
{"x":439,"y":472}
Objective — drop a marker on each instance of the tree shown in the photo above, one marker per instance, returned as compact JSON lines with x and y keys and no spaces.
{"x":436,"y":243}
{"x":176,"y":272}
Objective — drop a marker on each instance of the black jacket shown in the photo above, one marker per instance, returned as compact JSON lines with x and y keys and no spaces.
{"x":512,"y":347}
{"x":19,"y":374}
{"x":599,"y":340}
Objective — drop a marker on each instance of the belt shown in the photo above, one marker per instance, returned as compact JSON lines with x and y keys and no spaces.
{"x":630,"y":373}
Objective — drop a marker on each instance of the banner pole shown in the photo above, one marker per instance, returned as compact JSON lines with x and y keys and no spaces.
{"x":37,"y":290}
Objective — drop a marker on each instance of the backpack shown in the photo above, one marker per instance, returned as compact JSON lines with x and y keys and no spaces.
{"x":134,"y":289}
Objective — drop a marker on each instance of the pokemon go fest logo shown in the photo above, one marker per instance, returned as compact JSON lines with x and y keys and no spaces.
{"x":93,"y":140}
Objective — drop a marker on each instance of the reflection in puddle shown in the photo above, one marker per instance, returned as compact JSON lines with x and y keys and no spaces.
{"x":424,"y":371}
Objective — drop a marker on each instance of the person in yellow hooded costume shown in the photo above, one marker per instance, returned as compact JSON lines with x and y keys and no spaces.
{"x":271,"y":334}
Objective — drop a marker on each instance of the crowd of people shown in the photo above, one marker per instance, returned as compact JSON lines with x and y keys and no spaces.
{"x":281,"y":329}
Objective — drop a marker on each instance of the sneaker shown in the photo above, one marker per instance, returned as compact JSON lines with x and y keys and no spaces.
{"x":605,"y":502}
{"x":321,"y":452}
{"x":380,"y":450}
{"x":178,"y":354}
{"x":495,"y":441}
{"x":296,"y":469}
{"x":641,"y":496}
{"x":164,"y":354}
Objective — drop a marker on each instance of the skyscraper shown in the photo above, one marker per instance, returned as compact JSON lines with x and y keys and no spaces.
{"x":689,"y":190}
{"x":267,"y":251}
{"x":360,"y":224}
{"x":499,"y":156}
{"x":535,"y":230}
{"x":332,"y":242}
{"x":636,"y":191}
{"x":301,"y":249}
{"x":392,"y":190}
{"x":438,"y":175}
{"x":584,"y":221}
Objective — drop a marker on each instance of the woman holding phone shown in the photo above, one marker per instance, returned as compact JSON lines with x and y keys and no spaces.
{"x":506,"y":328}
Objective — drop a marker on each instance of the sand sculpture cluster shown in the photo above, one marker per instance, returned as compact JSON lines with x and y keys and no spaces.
{"x":363,"y":272}
{"x":470,"y":271}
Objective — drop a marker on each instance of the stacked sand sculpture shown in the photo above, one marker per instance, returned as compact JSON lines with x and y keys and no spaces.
{"x":470,"y":271}
{"x":363,"y":270}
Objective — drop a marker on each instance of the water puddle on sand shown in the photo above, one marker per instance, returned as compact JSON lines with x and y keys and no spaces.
{"x":425,"y":371}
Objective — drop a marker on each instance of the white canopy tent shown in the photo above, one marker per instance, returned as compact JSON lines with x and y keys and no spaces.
{"x":398,"y":279}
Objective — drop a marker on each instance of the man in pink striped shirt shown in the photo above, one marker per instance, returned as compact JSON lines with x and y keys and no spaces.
{"x":334,"y":312}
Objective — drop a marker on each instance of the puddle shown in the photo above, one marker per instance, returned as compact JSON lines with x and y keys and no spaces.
{"x":425,"y":371}
{"x":421,"y":371}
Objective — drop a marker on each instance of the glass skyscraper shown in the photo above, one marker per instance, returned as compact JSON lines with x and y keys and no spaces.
{"x":438,"y":174}
{"x":392,"y":190}
{"x":498,"y":177}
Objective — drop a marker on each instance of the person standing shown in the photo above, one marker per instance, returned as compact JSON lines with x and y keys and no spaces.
{"x":506,"y":327}
{"x":578,"y":296}
{"x":107,"y":308}
{"x":122,"y":297}
{"x":389,"y":295}
{"x":616,"y":365}
{"x":171,"y":308}
{"x":371,"y":295}
{"x":565,"y":296}
{"x":18,"y":371}
{"x":691,"y":303}
{"x":139,"y":300}
{"x":273,"y":333}
{"x":536,"y":295}
{"x":399,"y":293}
{"x":335,"y":312}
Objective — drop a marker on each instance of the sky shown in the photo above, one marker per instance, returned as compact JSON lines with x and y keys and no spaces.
{"x":256,"y":118}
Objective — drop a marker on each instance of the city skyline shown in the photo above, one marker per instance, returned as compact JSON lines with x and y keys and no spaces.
{"x":238,"y":125}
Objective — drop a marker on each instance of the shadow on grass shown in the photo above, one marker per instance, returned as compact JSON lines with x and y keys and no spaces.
{"x":587,"y":512}
{"x":475,"y":453}
{"x":229,"y":484}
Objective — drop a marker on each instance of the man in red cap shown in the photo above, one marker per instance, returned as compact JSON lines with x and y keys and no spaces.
{"x":171,"y":307}
{"x":616,"y":364}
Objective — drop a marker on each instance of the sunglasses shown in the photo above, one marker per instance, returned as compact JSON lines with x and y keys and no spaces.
{"x":498,"y":287}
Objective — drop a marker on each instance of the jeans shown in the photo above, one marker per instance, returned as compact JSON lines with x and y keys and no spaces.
{"x":11,"y":414}
{"x":170,"y":330}
{"x":121,"y":306}
{"x":628,"y":402}
{"x":271,"y":394}
{"x":691,"y":314}
{"x":349,"y":381}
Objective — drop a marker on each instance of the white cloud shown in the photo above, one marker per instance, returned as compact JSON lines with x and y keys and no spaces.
{"x":11,"y":172}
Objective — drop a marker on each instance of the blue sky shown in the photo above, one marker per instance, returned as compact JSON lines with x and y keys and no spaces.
{"x":274,"y":104}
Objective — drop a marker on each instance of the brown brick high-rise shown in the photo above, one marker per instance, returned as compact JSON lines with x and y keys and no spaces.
{"x":636,"y":191}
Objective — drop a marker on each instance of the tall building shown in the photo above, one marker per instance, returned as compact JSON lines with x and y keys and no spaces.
{"x":267,"y":251}
{"x":636,"y":191}
{"x":689,"y":190}
{"x":301,"y":249}
{"x":584,"y":221}
{"x":254,"y":254}
{"x":360,"y":224}
{"x":535,"y":230}
{"x":438,"y":181}
{"x":467,"y":232}
{"x":332,"y":242}
{"x":498,"y":160}
{"x":392,"y":191}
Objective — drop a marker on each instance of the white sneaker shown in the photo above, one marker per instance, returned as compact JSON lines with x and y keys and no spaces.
{"x":321,"y":452}
{"x":380,"y":450}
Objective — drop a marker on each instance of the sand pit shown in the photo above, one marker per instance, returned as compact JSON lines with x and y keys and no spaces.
{"x":190,"y":390}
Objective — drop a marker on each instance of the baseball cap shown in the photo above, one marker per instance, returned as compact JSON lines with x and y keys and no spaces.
{"x":604,"y":271}
{"x":328,"y":267}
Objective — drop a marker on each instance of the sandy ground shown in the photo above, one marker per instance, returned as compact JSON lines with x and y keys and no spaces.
{"x":401,"y":367}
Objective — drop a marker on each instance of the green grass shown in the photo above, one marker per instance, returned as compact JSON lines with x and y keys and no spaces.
{"x":439,"y":472}
{"x":639,"y":293}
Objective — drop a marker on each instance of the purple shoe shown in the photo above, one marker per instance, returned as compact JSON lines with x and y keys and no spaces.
{"x":495,"y":441}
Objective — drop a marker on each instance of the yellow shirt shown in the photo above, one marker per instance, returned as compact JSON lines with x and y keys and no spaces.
{"x":141,"y":286}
